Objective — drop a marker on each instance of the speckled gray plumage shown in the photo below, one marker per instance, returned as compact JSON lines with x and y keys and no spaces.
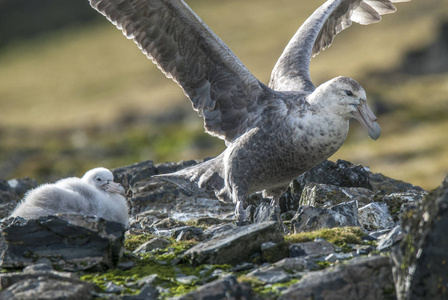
{"x":273,"y":134}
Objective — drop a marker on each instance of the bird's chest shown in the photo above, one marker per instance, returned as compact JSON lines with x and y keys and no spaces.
{"x":313,"y":139}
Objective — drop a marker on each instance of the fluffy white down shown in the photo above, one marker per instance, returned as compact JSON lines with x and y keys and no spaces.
{"x":95,"y":194}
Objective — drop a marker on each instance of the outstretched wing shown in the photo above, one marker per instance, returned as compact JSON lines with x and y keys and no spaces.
{"x":292,"y":71}
{"x":219,"y":86}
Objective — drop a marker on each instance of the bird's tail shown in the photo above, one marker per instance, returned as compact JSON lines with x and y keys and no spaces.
{"x":207,"y":177}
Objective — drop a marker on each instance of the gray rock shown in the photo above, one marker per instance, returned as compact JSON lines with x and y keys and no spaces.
{"x":7,"y":208}
{"x":234,"y":246}
{"x":39,"y":267}
{"x":155,"y":243}
{"x":386,"y":241}
{"x":147,"y":280}
{"x":267,"y":245}
{"x":146,"y":293}
{"x":383,"y":185}
{"x":297,"y":264}
{"x":396,"y":201}
{"x":15,"y":189}
{"x":11,"y":192}
{"x":126,"y":265}
{"x":341,"y":173}
{"x":273,"y":252}
{"x":374,"y":235}
{"x":47,"y":289}
{"x":175,"y":232}
{"x":113,"y":288}
{"x":333,"y":257}
{"x":70,"y":242}
{"x":186,"y":279}
{"x":209,"y":221}
{"x":420,"y":260}
{"x":167,"y":223}
{"x":44,"y":285}
{"x":227,"y":288}
{"x":243,"y":267}
{"x":347,"y":213}
{"x":270,"y":275}
{"x":217,"y":229}
{"x":375,"y":216}
{"x":190,"y":233}
{"x":146,"y":220}
{"x":313,"y":249}
{"x":310,"y":218}
{"x":265,"y":212}
{"x":361,"y":278}
{"x":326,"y":195}
{"x":146,"y":193}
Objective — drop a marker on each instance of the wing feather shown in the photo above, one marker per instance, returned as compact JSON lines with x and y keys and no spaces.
{"x":168,"y":32}
{"x":291,"y":72}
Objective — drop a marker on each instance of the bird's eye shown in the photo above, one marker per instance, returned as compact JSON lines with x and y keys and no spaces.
{"x":98,"y":179}
{"x":348,"y":93}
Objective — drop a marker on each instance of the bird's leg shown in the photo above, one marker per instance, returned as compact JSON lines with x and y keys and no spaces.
{"x":240,"y":213}
{"x":238,"y":196}
{"x":275,"y":202}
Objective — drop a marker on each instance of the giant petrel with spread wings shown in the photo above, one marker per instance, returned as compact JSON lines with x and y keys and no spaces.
{"x":273,"y":133}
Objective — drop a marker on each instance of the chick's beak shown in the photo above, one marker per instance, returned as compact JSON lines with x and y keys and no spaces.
{"x":366,"y":117}
{"x":113,"y":187}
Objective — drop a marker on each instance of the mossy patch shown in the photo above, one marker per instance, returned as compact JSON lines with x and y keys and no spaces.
{"x":166,"y":263}
{"x":276,"y":253}
{"x":266,"y":291}
{"x":132,"y":242}
{"x":339,"y":236}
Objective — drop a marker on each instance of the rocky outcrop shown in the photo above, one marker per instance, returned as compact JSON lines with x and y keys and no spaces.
{"x":11,"y":192}
{"x":69,"y":242}
{"x":366,"y":278}
{"x":236,"y":245}
{"x":340,"y":174}
{"x":310,"y":218}
{"x":375,"y":216}
{"x":184,"y":244}
{"x":41,"y":281}
{"x":147,"y":194}
{"x":226,"y":288}
{"x":421,"y":259}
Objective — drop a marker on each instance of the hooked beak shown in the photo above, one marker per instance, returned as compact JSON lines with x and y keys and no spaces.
{"x":113,"y":187}
{"x":366,"y":117}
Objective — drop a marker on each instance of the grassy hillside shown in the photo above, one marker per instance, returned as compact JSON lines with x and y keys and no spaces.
{"x":86,"y":96}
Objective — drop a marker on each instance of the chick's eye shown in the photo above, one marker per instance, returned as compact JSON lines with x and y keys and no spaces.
{"x":348,"y":93}
{"x":98,"y":179}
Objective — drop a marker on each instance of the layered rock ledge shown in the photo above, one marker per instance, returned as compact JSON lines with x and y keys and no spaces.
{"x":353,"y":235}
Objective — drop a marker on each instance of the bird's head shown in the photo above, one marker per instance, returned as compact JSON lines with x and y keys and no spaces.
{"x":103,"y":179}
{"x":346,"y":97}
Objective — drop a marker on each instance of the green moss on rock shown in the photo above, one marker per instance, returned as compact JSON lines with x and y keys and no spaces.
{"x":276,"y":253}
{"x":338,"y":236}
{"x":132,"y":242}
{"x":163,"y":262}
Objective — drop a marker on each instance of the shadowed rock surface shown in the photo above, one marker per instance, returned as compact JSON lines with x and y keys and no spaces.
{"x":225,"y":288}
{"x":236,"y":245}
{"x":44,"y":285}
{"x":421,"y":259}
{"x":367,"y":278}
{"x":266,"y":263}
{"x":70,"y":242}
{"x":310,"y":218}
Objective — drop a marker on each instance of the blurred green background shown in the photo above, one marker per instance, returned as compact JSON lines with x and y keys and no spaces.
{"x":75,"y":94}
